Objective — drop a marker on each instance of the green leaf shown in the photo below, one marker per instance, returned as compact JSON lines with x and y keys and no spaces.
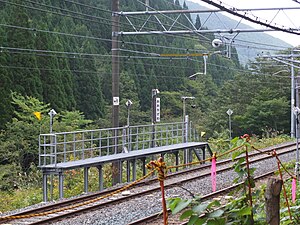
{"x":220,"y":221}
{"x":193,"y":220}
{"x":244,"y":211}
{"x":200,"y":208}
{"x":215,"y":214}
{"x":214,"y":203}
{"x":181,"y":205}
{"x":201,"y":221}
{"x":236,"y":154}
{"x":172,"y":202}
{"x":186,"y":214}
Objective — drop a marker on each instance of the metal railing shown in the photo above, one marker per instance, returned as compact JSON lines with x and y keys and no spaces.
{"x":79,"y":145}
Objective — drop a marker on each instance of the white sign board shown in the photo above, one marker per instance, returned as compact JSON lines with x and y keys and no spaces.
{"x":115,"y":100}
{"x":229,"y":112}
{"x":157,"y":110}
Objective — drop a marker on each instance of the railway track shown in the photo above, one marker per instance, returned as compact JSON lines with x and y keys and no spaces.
{"x":157,"y":218}
{"x":142,"y":188}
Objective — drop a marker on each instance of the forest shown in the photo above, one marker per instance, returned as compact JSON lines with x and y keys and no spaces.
{"x":57,"y":54}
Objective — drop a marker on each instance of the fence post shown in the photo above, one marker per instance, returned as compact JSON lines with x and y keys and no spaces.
{"x":272,"y":196}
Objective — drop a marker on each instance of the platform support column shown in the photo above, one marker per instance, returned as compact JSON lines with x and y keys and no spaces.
{"x":121,"y":172}
{"x":176,"y":159}
{"x":45,"y":188}
{"x":134,"y":169}
{"x":100,"y":177}
{"x":86,"y":179}
{"x":144,"y":166}
{"x":128,"y":170}
{"x":190,"y":155}
{"x":61,"y":184}
{"x":203,"y":153}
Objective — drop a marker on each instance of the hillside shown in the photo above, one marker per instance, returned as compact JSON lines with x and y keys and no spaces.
{"x":245,"y":53}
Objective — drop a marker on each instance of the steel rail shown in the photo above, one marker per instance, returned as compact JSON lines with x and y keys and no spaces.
{"x":157,"y":216}
{"x":169,"y":184}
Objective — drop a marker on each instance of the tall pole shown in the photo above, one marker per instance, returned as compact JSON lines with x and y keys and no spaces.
{"x":229,"y":113}
{"x":186,"y":155}
{"x":115,"y":84}
{"x":153,"y":119}
{"x":296,"y":113}
{"x":52,"y":113}
{"x":115,"y":62}
{"x":230,"y":136}
{"x":292,"y":99}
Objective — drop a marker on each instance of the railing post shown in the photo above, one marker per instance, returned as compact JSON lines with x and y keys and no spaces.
{"x":125,"y":149}
{"x":45,"y":188}
{"x":185,"y":139}
{"x":100,"y":177}
{"x":86,"y":179}
{"x":61,"y":184}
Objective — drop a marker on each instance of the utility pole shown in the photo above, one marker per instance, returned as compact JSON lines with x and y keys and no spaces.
{"x":147,"y":5}
{"x":296,"y":114}
{"x":292,"y":99}
{"x":116,"y":167}
{"x":186,"y":153}
{"x":229,"y":113}
{"x":155,"y":113}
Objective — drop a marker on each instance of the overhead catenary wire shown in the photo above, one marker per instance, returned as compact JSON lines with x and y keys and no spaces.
{"x":88,"y":6}
{"x":89,"y":54}
{"x":101,"y":55}
{"x":100,"y":38}
{"x":91,"y":37}
{"x":126,"y":57}
{"x":109,"y":40}
{"x":62,"y":14}
{"x":174,"y":20}
{"x":249,"y":78}
{"x":66,"y":10}
{"x":57,"y":13}
{"x":257,"y":20}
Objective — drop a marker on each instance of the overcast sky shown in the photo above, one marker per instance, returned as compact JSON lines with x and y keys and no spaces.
{"x":289,"y":18}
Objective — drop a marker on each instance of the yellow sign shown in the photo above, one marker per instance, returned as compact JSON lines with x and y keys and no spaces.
{"x":38,"y":115}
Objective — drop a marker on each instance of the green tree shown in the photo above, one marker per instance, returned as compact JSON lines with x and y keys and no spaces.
{"x":5,"y":84}
{"x":25,"y":76}
{"x":198,"y":22}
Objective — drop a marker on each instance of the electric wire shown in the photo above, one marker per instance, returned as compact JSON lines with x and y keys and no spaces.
{"x":100,"y":55}
{"x":174,"y":20}
{"x":95,"y":38}
{"x":58,"y":13}
{"x":101,"y":18}
{"x":122,"y":42}
{"x":89,"y":6}
{"x":103,"y":39}
{"x":253,"y":79}
{"x":66,"y":10}
{"x":296,"y":1}
{"x":257,"y":21}
{"x":265,"y":44}
{"x":47,"y":11}
{"x":78,"y":53}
